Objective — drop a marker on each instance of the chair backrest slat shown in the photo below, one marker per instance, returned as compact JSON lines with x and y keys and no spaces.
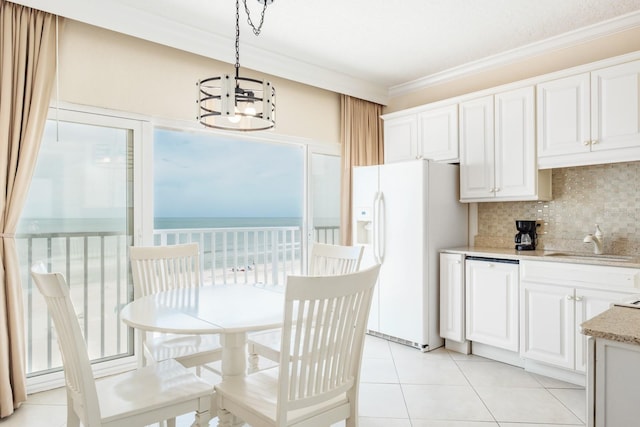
{"x":81,"y":387}
{"x":161,"y":268}
{"x":323,"y":335}
{"x":328,"y":260}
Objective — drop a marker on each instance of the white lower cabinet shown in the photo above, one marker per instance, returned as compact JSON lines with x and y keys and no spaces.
{"x":452,"y":297}
{"x":492,"y":303}
{"x":556,"y":298}
{"x":616,"y":386}
{"x":551,"y":319}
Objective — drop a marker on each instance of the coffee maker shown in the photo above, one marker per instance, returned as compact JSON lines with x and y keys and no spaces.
{"x":526,"y":238}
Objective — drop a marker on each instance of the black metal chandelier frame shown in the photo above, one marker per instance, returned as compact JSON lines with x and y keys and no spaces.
{"x":233,"y":102}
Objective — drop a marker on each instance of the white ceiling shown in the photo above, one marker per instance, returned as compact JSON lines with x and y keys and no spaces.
{"x":366,"y":48}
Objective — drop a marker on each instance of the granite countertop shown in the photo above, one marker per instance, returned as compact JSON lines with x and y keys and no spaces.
{"x":552,"y":256}
{"x":620,"y":324}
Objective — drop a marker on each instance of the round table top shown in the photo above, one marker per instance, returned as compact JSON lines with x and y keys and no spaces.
{"x":208,"y":310}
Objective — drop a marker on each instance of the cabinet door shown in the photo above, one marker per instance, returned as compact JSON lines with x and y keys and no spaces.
{"x":452,"y":297}
{"x":492,"y":303}
{"x":477,"y":149}
{"x":615,"y":114}
{"x":616,"y":383}
{"x":547,"y":324}
{"x":400,"y":139}
{"x":590,"y":303}
{"x":438,"y":134}
{"x":515,"y":147}
{"x":563,"y":118}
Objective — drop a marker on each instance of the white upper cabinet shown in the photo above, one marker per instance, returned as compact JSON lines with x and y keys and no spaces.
{"x":438,"y":134}
{"x":563,"y":117}
{"x":400,"y":139}
{"x":428,"y":134}
{"x":615,"y":116}
{"x":498,"y":151}
{"x":590,"y":118}
{"x":477,"y":162}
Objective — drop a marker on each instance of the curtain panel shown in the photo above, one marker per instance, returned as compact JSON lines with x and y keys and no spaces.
{"x":27,"y":73}
{"x":361,"y":136}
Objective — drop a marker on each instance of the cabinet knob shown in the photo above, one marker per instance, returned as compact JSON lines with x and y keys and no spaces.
{"x":585,"y":143}
{"x":578,"y":298}
{"x":594,"y":142}
{"x":569,"y":297}
{"x":496,"y":189}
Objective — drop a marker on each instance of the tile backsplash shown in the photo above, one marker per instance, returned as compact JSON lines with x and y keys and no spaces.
{"x":607,"y":195}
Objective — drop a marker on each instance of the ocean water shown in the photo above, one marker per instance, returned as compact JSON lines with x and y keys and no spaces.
{"x":171,"y":223}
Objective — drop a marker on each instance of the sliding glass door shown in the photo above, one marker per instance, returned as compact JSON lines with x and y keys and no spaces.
{"x":79,"y":220}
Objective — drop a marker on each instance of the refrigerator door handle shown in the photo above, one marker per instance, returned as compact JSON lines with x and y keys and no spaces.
{"x":379,"y":240}
{"x":374,"y":243}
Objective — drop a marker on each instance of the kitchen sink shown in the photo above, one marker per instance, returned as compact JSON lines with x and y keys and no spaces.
{"x":592,"y":257}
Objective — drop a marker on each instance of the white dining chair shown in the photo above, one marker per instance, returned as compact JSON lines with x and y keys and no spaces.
{"x":325,"y":260}
{"x":145,"y":396}
{"x":316,"y":381}
{"x":161,"y":268}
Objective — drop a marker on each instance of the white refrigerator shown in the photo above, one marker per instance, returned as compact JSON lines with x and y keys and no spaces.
{"x":404,"y":214}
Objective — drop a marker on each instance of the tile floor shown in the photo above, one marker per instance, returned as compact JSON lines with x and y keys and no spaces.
{"x":402,"y":387}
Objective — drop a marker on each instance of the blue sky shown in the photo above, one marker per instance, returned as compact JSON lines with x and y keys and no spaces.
{"x":201,"y":175}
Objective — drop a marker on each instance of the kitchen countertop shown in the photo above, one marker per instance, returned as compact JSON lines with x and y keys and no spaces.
{"x":541,"y":255}
{"x":620,"y":324}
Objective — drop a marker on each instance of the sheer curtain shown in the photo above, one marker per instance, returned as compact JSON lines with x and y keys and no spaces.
{"x":27,"y":71}
{"x":362,"y":145}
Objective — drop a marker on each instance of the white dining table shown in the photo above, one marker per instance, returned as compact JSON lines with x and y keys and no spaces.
{"x":229,"y":310}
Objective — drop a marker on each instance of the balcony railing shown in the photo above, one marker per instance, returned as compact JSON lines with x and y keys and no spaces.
{"x":242,"y":255}
{"x":96,"y":267}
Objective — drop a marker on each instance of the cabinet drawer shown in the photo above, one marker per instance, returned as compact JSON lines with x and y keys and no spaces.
{"x":597,"y":276}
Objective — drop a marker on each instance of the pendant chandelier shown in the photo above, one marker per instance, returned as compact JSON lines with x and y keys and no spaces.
{"x":234,"y":102}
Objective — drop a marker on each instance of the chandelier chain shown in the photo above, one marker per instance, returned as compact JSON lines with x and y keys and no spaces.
{"x":237,"y":36}
{"x":256,"y":30}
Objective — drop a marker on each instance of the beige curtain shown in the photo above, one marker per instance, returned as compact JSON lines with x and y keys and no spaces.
{"x":362,"y":145}
{"x":27,"y":72}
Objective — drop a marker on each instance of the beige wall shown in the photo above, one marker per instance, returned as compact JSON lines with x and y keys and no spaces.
{"x":111,"y":70}
{"x":606,"y":47}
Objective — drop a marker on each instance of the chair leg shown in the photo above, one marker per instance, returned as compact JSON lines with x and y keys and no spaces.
{"x":227,"y":419}
{"x":252,"y":363}
{"x":72,"y":418}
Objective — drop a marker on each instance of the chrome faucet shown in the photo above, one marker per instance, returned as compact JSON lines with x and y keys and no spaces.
{"x":597,"y":239}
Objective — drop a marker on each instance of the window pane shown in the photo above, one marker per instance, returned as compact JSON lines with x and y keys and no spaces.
{"x":325,"y":196}
{"x":241,"y":200}
{"x":77,"y":220}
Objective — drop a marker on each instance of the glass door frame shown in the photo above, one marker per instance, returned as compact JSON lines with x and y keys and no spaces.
{"x":141,"y":131}
{"x":328,"y":149}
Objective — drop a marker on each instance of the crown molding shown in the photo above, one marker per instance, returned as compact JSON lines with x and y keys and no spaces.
{"x":569,"y":39}
{"x":123,"y":18}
